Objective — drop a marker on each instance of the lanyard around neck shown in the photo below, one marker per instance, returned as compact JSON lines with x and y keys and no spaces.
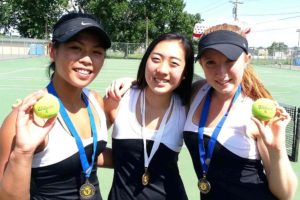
{"x":87,"y":168}
{"x":206,"y":157}
{"x":159,"y":133}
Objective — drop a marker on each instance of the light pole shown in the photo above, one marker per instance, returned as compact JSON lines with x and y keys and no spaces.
{"x":234,"y":9}
{"x":298,"y":30}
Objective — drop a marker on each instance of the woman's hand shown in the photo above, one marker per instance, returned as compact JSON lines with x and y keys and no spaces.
{"x":273,"y":131}
{"x":119,"y":87}
{"x":29,"y":133}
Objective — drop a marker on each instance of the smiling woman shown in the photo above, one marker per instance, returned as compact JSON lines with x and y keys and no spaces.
{"x":37,"y":165}
{"x":146,"y":146}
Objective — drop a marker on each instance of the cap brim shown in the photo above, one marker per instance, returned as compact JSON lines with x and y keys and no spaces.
{"x":65,"y":31}
{"x":231,"y":51}
{"x":102,"y":34}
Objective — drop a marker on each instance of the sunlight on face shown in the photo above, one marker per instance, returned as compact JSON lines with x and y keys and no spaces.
{"x":165,"y":66}
{"x":221,"y":73}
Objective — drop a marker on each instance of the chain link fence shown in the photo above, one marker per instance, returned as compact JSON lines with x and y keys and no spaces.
{"x":20,"y":47}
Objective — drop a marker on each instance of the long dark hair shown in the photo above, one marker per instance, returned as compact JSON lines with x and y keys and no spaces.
{"x":184,"y":88}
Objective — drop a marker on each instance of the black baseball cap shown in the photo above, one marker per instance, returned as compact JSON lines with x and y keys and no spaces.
{"x":229,"y":43}
{"x":71,"y":24}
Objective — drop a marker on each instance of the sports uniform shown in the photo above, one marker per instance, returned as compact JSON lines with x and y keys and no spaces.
{"x":128,"y":154}
{"x":57,"y":171}
{"x":235,"y":171}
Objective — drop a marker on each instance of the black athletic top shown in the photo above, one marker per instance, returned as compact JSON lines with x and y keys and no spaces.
{"x":235,"y":171}
{"x":128,"y":154}
{"x":231,"y":177}
{"x":56,"y":171}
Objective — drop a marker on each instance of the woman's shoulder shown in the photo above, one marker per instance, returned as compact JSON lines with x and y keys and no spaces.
{"x":197,"y":86}
{"x":96,"y":95}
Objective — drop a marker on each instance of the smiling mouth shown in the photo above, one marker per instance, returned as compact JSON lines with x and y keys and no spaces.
{"x":160,"y":80}
{"x":223,"y":82}
{"x":83,"y":71}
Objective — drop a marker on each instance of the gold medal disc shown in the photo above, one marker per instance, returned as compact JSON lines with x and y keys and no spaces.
{"x":87,"y":191}
{"x":204,"y":186}
{"x":145,"y":178}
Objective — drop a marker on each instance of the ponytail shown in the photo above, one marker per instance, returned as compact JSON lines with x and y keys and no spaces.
{"x":252,"y":86}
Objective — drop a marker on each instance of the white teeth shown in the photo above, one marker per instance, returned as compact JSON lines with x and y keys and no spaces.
{"x":161,"y":80}
{"x":82,"y":71}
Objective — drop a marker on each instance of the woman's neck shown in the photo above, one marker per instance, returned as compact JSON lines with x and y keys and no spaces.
{"x":155,"y":101}
{"x":69,"y":95}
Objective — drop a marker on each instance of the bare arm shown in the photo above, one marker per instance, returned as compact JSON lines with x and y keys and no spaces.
{"x":110,"y":104}
{"x":19,"y":138}
{"x":105,"y":159}
{"x":271,"y":144}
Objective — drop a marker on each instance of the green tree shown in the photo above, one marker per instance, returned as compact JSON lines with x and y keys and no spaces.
{"x":126,"y":20}
{"x":129,"y":20}
{"x":6,"y":16}
{"x":277,"y":47}
{"x":34,"y":18}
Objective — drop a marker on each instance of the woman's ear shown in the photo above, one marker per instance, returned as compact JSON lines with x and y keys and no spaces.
{"x":248,"y":58}
{"x":51,"y":51}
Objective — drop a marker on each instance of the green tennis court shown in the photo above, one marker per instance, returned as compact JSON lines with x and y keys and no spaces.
{"x":20,"y":77}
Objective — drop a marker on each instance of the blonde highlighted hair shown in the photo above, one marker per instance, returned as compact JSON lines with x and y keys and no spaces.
{"x":251,"y":85}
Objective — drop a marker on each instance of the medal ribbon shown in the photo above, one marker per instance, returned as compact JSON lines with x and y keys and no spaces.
{"x":213,"y":139}
{"x":159,"y":133}
{"x":87,"y":168}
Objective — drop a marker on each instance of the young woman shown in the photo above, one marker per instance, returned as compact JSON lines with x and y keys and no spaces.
{"x":148,"y":123}
{"x":235,"y":156}
{"x":58,"y":160}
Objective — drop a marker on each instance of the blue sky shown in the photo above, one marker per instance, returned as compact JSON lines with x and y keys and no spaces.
{"x":270,"y":20}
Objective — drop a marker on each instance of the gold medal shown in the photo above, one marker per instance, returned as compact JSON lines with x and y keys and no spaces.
{"x":145,"y":178}
{"x":204,"y":185}
{"x":87,"y":191}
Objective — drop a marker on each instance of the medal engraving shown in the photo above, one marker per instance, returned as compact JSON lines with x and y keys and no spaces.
{"x":145,"y":178}
{"x":207,"y":161}
{"x":204,"y":186}
{"x":87,"y":191}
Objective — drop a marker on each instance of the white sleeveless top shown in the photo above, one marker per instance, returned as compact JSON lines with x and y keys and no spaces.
{"x":62,"y":145}
{"x":233,"y":133}
{"x":131,"y":128}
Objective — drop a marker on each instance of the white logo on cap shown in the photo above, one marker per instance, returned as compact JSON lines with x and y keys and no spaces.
{"x":85,"y":24}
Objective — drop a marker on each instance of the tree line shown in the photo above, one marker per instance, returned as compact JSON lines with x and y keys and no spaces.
{"x":134,"y":21}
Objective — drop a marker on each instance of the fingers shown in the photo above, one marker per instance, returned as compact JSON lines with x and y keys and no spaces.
{"x":260,"y":125}
{"x":118,"y":88}
{"x":112,"y":91}
{"x":281,"y":116}
{"x":17,"y":103}
{"x":25,"y":107}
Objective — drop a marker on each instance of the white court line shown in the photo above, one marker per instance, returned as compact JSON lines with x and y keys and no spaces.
{"x":21,"y":70}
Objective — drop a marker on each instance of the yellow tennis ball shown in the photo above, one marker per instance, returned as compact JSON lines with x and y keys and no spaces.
{"x":264,"y":109}
{"x":47,"y":107}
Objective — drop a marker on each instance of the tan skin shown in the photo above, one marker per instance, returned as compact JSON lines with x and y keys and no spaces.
{"x":225,"y":76}
{"x":164,"y":72}
{"x":78,"y":62}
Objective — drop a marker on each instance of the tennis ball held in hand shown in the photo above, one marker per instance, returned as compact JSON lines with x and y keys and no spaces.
{"x":47,"y":107}
{"x":264,"y":109}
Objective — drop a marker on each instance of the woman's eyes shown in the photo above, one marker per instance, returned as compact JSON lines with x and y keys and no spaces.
{"x":158,"y":60}
{"x":210,"y":62}
{"x":100,"y":52}
{"x":79,"y":48}
{"x":74,"y":47}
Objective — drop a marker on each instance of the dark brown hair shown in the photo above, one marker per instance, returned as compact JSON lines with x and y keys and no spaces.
{"x":184,"y":88}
